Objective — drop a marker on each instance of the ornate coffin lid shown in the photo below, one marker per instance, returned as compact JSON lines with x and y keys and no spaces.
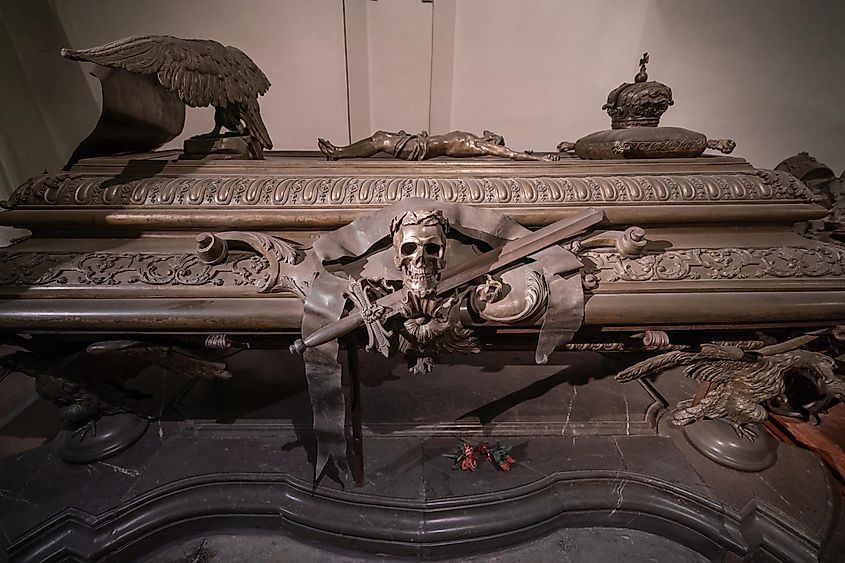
{"x":731,"y":257}
{"x":302,"y":191}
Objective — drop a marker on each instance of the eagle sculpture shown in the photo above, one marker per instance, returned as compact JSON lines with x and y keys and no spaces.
{"x":740,"y":381}
{"x":200,"y":72}
{"x":87,"y":384}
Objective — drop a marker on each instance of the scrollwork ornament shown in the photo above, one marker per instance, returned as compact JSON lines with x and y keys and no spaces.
{"x":85,"y":190}
{"x":823,"y":261}
{"x":254,"y":270}
{"x":532,"y":298}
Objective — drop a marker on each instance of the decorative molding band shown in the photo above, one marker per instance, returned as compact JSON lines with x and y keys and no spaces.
{"x":111,"y":269}
{"x":433,"y":528}
{"x":250,"y":271}
{"x":718,"y":264}
{"x":78,"y":190}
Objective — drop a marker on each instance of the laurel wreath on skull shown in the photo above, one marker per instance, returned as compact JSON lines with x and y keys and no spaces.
{"x":419,"y":243}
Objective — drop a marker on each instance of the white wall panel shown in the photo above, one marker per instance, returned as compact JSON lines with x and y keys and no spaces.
{"x":47,"y":106}
{"x":767,"y":73}
{"x":299,"y":45}
{"x":23,"y":151}
{"x":400,"y":64}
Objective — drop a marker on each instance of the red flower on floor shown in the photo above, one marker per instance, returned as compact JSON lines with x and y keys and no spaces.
{"x":506,"y":463}
{"x":500,"y":457}
{"x":467,"y":458}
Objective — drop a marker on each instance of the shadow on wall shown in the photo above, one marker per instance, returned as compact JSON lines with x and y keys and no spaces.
{"x":767,"y":73}
{"x":39,"y":132}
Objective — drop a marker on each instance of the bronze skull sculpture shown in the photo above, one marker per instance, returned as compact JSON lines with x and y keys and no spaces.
{"x":419,"y":243}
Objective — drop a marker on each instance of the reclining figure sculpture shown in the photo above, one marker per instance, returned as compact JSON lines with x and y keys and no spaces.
{"x":456,"y":144}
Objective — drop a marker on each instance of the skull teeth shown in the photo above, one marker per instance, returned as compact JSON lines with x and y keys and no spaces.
{"x":420,"y":276}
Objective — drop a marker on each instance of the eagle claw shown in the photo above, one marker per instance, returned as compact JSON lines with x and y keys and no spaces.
{"x":744,"y":430}
{"x":85,"y":429}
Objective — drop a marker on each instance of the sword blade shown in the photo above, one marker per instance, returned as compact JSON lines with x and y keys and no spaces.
{"x":517,"y":249}
{"x":464,"y":273}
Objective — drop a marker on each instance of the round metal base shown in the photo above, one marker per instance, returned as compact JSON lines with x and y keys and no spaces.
{"x":225,"y":146}
{"x":110,"y":436}
{"x":717,"y":441}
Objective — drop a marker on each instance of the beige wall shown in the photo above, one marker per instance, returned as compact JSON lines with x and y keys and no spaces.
{"x":767,"y":73}
{"x":299,"y":45}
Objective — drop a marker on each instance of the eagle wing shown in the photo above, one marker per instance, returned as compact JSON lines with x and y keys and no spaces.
{"x":655,"y":365}
{"x":168,"y":357}
{"x":708,"y":364}
{"x":201,"y":72}
{"x":251,"y":115}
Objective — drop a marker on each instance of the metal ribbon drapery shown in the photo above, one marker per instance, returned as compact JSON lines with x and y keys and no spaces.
{"x":325,"y":302}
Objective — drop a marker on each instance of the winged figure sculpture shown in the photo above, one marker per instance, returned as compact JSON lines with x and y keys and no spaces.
{"x":741,"y":381}
{"x":87,"y":384}
{"x":201,"y":72}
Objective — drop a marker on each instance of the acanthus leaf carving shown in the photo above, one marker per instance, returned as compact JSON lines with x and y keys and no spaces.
{"x":249,"y":191}
{"x":240,"y":269}
{"x":718,"y":264}
{"x":533,"y":296}
{"x":270,"y":275}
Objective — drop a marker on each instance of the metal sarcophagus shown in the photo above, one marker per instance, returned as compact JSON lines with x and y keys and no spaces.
{"x":714,"y":268}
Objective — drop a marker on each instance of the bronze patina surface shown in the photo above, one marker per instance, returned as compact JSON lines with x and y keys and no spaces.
{"x":137,"y":115}
{"x":635,"y":110}
{"x":200,"y":72}
{"x":713,"y":247}
{"x":690,"y":254}
{"x":422,"y":146}
{"x":179,"y":261}
{"x":721,"y":233}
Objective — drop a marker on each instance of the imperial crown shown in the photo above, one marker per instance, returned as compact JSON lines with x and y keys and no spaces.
{"x":639,"y":104}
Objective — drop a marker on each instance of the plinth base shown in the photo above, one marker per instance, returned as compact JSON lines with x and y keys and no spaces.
{"x":107,"y":437}
{"x":592,"y":475}
{"x":718,"y":442}
{"x":235,"y":147}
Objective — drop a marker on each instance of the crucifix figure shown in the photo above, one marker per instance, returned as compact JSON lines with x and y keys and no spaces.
{"x":457,"y":144}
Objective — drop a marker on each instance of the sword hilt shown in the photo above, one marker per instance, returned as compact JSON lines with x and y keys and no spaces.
{"x":466,"y":272}
{"x":298,"y":347}
{"x":329,"y":332}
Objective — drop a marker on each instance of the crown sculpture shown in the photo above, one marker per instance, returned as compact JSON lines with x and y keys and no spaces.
{"x":639,"y":104}
{"x":635,"y":110}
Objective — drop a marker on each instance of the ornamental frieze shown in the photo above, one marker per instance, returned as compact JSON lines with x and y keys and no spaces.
{"x":718,"y":264}
{"x":252,"y":271}
{"x":111,"y":269}
{"x":79,"y":190}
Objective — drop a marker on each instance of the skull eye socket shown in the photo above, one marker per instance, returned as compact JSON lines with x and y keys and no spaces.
{"x":408,"y":248}
{"x":432,"y":248}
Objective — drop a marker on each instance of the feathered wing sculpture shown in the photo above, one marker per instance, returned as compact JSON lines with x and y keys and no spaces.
{"x":87,"y":384}
{"x":741,"y":382}
{"x":201,"y":72}
{"x":709,"y":355}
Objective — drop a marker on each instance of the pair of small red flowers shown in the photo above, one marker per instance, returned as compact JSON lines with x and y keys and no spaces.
{"x":467,"y":456}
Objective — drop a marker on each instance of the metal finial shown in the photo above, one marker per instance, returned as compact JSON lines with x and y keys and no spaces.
{"x":642,"y":76}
